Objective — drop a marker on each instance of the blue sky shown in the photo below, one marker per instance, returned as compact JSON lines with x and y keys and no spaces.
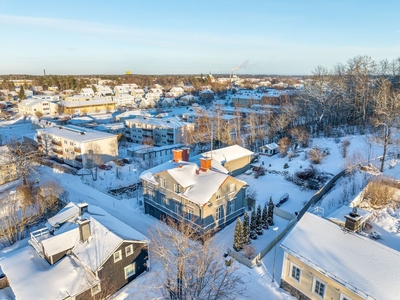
{"x":193,"y":37}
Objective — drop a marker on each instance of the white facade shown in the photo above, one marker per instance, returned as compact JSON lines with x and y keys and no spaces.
{"x":33,"y":106}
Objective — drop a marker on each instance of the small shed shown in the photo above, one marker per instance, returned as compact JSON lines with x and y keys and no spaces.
{"x":269,"y":149}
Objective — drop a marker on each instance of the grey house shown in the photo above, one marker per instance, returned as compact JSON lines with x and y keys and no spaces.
{"x":204,"y":198}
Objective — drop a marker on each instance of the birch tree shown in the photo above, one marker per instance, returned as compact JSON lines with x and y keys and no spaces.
{"x":193,"y":265}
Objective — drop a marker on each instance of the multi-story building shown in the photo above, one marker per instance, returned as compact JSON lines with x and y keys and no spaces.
{"x":78,"y":146}
{"x":323,"y":260}
{"x":89,"y":105}
{"x":182,"y":190}
{"x":157,"y":131}
{"x":34,"y":106}
{"x":82,"y":253}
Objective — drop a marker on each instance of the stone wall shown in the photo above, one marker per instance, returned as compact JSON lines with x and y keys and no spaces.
{"x":293,"y":291}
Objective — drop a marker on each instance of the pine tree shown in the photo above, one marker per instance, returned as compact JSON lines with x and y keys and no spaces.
{"x":246,"y":228}
{"x":264,"y":217}
{"x":21,"y":94}
{"x":253,"y":226}
{"x":258,"y":221}
{"x":238,"y":236}
{"x":271,"y":212}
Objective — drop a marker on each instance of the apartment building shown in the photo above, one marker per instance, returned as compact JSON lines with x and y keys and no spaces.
{"x":34,"y":106}
{"x":157,"y":131}
{"x":78,"y":146}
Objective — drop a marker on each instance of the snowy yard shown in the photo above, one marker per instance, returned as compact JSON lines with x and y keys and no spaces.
{"x":258,"y":280}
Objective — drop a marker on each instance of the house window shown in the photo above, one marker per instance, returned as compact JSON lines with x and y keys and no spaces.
{"x":218,"y":213}
{"x":177,"y":208}
{"x":218,"y":194}
{"x":319,"y":287}
{"x":162,"y":198}
{"x":344,"y":297}
{"x":296,"y":272}
{"x":117,"y":256}
{"x":189,"y":213}
{"x":128,"y":250}
{"x":231,"y":205}
{"x":163,"y":182}
{"x":65,"y":142}
{"x":129,"y":270}
{"x":96,"y":289}
{"x":177,"y":188}
{"x":232,"y":188}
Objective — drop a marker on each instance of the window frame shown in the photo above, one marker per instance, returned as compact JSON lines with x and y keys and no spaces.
{"x":344,"y":297}
{"x":315,"y":280}
{"x":232,"y":188}
{"x":218,"y":213}
{"x":98,"y":290}
{"x":218,"y":194}
{"x":163,"y":182}
{"x":189,"y":213}
{"x":120,"y":256}
{"x":134,"y":270}
{"x":130,"y":247}
{"x":293,"y":265}
{"x":177,"y":188}
{"x":231,"y":205}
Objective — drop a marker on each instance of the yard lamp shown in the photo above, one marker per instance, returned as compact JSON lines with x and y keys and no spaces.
{"x":273,"y":268}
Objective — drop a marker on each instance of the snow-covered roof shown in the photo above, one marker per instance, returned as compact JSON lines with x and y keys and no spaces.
{"x":62,"y":242}
{"x":107,"y":233}
{"x":94,"y":101}
{"x":73,"y":133}
{"x":31,"y":277}
{"x":354,"y":260}
{"x":271,"y":146}
{"x":164,"y":122}
{"x":228,"y":153}
{"x":71,"y":210}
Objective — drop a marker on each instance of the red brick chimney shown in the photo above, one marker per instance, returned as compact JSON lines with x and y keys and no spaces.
{"x":205,"y":163}
{"x":177,"y":155}
{"x":185,"y":154}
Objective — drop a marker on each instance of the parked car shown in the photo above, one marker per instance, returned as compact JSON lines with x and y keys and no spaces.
{"x":119,"y":162}
{"x":105,"y":167}
{"x":127,"y":160}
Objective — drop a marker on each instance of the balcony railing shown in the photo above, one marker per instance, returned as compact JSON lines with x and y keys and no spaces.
{"x":58,"y":150}
{"x":77,"y":149}
{"x":55,"y":142}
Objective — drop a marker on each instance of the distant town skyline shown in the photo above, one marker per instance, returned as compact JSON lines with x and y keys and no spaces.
{"x":285,"y":37}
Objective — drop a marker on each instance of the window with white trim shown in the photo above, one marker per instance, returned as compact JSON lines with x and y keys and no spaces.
{"x":117,"y":256}
{"x":189,"y":213}
{"x":177,"y":188}
{"x":128,"y":250}
{"x":231,"y":205}
{"x":232,"y":188}
{"x":129,"y":270}
{"x":295,"y":272}
{"x":344,"y":297}
{"x":218,"y":194}
{"x":96,"y":289}
{"x":177,"y":208}
{"x":319,"y":287}
{"x":218,"y":212}
{"x":163,"y":182}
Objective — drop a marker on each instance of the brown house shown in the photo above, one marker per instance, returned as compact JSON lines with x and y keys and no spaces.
{"x":83,"y":253}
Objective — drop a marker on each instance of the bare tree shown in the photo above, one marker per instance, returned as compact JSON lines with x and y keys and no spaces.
{"x":93,"y":158}
{"x":386,"y":113}
{"x":193,"y":264}
{"x":23,"y":155}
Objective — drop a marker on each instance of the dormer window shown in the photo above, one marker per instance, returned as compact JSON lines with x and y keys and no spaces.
{"x":163,"y":182}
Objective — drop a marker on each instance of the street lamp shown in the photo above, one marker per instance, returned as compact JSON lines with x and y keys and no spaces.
{"x":273,"y":268}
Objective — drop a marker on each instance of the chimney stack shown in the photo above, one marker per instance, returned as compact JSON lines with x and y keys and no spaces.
{"x":205,"y":163}
{"x":83,"y":207}
{"x":84,"y":229}
{"x":185,"y":154}
{"x":177,"y":155}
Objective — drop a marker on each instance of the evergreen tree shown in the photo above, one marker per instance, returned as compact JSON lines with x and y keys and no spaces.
{"x":238,"y":236}
{"x":21,"y":94}
{"x":264,"y":217}
{"x":258,"y":221}
{"x":246,"y":228}
{"x":271,"y":212}
{"x":253,"y":226}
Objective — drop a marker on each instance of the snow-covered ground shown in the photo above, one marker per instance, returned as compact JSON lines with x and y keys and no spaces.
{"x":258,"y":281}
